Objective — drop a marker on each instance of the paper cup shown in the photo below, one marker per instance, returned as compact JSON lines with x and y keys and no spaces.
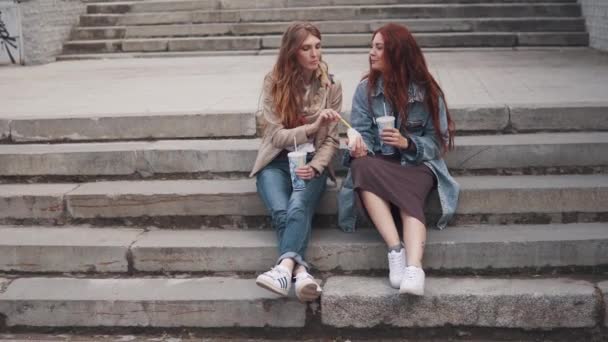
{"x":385,"y":122}
{"x":296,"y":160}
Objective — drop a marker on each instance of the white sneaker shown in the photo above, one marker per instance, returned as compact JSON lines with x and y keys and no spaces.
{"x":413,"y":281}
{"x":277,"y":280}
{"x":396,"y":267}
{"x":307,"y":289}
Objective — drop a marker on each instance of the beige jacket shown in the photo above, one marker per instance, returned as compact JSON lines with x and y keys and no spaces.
{"x":323,"y":94}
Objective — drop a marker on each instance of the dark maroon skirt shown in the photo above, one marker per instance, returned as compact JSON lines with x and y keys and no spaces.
{"x":405,"y":187}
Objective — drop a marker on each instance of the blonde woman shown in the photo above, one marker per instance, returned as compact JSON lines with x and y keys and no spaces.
{"x":301,"y":103}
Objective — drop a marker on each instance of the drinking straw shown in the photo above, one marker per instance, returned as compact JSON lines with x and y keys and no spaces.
{"x":295,"y":145}
{"x":344,"y":121}
{"x":384,"y":105}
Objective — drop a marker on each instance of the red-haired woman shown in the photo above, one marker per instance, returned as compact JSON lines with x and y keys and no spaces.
{"x":394,"y":169}
{"x":301,"y":103}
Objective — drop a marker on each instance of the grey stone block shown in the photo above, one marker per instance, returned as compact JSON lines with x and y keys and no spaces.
{"x":158,"y":198}
{"x":479,"y":195}
{"x":170,"y":125}
{"x":5,"y":130}
{"x":475,"y":247}
{"x":92,"y":46}
{"x":211,"y":302}
{"x":603,"y":286}
{"x":85,"y":33}
{"x":152,"y":45}
{"x":470,"y":119}
{"x":553,"y":39}
{"x":532,"y":194}
{"x":562,"y":116}
{"x":44,"y":201}
{"x":183,"y":30}
{"x":155,"y":18}
{"x":46,"y":249}
{"x":529,"y":150}
{"x":469,"y":39}
{"x":238,"y":155}
{"x":205,"y":251}
{"x":108,"y":159}
{"x":100,"y":20}
{"x":499,"y":303}
{"x":214,"y":43}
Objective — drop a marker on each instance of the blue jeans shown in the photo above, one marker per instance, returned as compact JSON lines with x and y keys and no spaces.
{"x":291,"y":211}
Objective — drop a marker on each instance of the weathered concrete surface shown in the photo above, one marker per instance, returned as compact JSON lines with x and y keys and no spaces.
{"x":33,"y":200}
{"x":213,"y":250}
{"x":203,"y":302}
{"x":127,"y":158}
{"x":157,"y":198}
{"x":143,"y":126}
{"x":475,"y":247}
{"x":590,"y":116}
{"x":506,"y":303}
{"x":603,"y":286}
{"x":560,"y":116}
{"x":529,"y":150}
{"x":480,"y":194}
{"x":5,"y":130}
{"x":533,"y":194}
{"x":331,"y":27}
{"x":238,"y":155}
{"x":46,"y":249}
{"x":118,"y":87}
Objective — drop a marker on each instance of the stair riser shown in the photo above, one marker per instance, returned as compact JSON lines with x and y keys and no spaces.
{"x":155,"y":31}
{"x":468,"y":120}
{"x":143,"y":7}
{"x":323,"y":14}
{"x":144,"y":159}
{"x":425,"y":40}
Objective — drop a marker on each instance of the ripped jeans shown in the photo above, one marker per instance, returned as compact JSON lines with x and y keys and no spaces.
{"x":291,"y":211}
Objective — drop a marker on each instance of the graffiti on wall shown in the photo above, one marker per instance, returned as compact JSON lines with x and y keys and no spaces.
{"x":9,"y":38}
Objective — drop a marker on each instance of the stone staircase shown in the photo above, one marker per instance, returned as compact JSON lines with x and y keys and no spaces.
{"x":153,"y":27}
{"x":150,"y":221}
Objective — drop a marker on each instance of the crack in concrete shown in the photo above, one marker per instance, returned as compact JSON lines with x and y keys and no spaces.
{"x":129,"y":254}
{"x":473,"y":156}
{"x":4,"y":286}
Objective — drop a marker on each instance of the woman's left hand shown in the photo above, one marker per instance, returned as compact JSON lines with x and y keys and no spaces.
{"x":306,"y":172}
{"x":392,"y":137}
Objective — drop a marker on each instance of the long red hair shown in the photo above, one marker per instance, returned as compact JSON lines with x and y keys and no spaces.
{"x":404,"y":63}
{"x":287,"y":77}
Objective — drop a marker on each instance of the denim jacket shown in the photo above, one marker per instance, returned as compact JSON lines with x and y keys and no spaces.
{"x":419,"y":128}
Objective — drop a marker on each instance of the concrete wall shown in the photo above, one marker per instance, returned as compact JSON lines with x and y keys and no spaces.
{"x":596,"y":15}
{"x":46,"y":24}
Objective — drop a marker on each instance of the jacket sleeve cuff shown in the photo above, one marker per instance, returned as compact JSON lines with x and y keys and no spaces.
{"x":317,"y":166}
{"x":418,"y":147}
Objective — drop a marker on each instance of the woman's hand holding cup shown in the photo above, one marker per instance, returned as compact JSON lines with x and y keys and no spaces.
{"x":392,"y":137}
{"x":306,"y":172}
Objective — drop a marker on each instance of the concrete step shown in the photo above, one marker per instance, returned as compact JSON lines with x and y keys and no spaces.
{"x":363,"y":302}
{"x":230,"y":203}
{"x":581,"y":116}
{"x":190,"y":5}
{"x":513,"y":151}
{"x":161,"y":302}
{"x":494,"y":249}
{"x":47,"y":249}
{"x":336,"y":13}
{"x":347,"y":302}
{"x":135,"y":126}
{"x":220,"y":43}
{"x":328,"y":27}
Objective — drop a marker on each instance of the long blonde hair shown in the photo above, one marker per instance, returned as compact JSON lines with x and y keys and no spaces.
{"x":287,"y":76}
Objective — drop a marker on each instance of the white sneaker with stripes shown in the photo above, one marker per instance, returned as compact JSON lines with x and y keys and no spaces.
{"x":277,"y":280}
